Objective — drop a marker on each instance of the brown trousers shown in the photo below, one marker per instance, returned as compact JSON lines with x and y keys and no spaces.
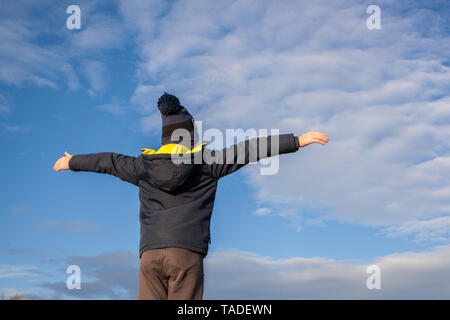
{"x":171,"y":274}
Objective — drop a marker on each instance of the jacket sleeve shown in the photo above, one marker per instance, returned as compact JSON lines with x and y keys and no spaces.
{"x":124,"y":167}
{"x":228,"y":160}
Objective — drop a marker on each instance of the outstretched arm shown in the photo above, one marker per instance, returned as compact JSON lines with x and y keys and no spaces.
{"x":124,"y":167}
{"x":228,"y":160}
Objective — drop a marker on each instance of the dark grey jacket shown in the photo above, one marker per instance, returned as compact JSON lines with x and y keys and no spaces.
{"x":176,"y":200}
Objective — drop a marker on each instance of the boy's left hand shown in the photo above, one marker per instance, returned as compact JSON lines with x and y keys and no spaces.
{"x":312,"y":137}
{"x":63,"y":163}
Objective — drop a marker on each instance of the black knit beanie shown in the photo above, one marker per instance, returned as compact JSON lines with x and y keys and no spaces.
{"x":175,"y":116}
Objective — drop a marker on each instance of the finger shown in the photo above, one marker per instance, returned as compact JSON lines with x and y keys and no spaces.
{"x":316,"y":139}
{"x":67,"y":154}
{"x":319,"y":141}
{"x":322,"y":137}
{"x":320,"y":134}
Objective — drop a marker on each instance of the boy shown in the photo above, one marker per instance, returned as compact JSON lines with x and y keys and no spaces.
{"x":177,"y":199}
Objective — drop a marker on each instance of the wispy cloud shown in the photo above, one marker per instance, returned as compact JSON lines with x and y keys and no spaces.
{"x":116,"y":106}
{"x":262,"y":211}
{"x":151,"y":123}
{"x":14,"y":127}
{"x":99,"y":32}
{"x":111,"y":108}
{"x":380,"y":95}
{"x":4,"y":108}
{"x":24,"y":61}
{"x":80,"y":225}
{"x":21,"y":210}
{"x":437,"y":229}
{"x":28,"y":56}
{"x":146,"y":96}
{"x":5,"y":105}
{"x":11,"y":271}
{"x":96,"y":73}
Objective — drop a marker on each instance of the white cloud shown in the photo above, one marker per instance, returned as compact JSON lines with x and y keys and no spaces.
{"x":23,"y":61}
{"x":145,"y":97}
{"x":27,"y":57}
{"x":262,"y":211}
{"x":14,"y":127}
{"x":96,"y":72}
{"x":381,"y":96}
{"x":381,"y":166}
{"x":151,"y":123}
{"x":11,"y":271}
{"x":245,"y":275}
{"x":115,"y":107}
{"x":5,"y":105}
{"x":436,"y":229}
{"x":98,"y":32}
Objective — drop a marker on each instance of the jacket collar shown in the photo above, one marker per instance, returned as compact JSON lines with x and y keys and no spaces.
{"x":172,"y":148}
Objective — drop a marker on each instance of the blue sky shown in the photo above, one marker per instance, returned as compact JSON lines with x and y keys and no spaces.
{"x":376,"y":194}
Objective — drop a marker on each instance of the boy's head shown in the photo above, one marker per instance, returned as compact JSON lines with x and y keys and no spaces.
{"x":174,"y":116}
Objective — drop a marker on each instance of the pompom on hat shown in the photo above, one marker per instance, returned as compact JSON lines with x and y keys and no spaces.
{"x":168,"y":104}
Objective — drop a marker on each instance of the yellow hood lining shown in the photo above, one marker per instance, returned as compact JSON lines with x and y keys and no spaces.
{"x":172,"y":148}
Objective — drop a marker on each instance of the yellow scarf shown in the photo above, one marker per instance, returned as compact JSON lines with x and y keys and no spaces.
{"x":172,"y":148}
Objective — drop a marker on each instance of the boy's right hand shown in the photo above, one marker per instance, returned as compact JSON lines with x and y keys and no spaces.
{"x":312,"y":137}
{"x":63,"y":163}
